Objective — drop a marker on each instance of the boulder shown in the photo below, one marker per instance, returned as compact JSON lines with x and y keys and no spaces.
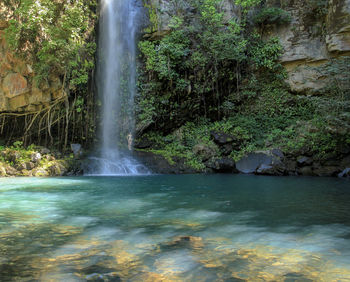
{"x":306,"y":171}
{"x":204,"y":152}
{"x":326,"y":171}
{"x":227,"y":149}
{"x":272,"y":169}
{"x":77,"y":150}
{"x":56,"y":169}
{"x":21,"y":166}
{"x":344,"y":173}
{"x":143,"y":143}
{"x":11,"y":171}
{"x":291,"y":166}
{"x":2,"y":170}
{"x":222,"y":138}
{"x":303,"y":161}
{"x":36,"y":157}
{"x":261,"y":162}
{"x":12,"y":156}
{"x":29,"y":165}
{"x":40,"y":172}
{"x":224,"y":165}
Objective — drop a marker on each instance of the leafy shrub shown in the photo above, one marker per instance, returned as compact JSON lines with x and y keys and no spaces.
{"x":272,"y":15}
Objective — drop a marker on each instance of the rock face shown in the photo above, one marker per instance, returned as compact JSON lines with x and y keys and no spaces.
{"x":262,"y":162}
{"x":317,"y":33}
{"x":311,"y":39}
{"x":18,"y":90}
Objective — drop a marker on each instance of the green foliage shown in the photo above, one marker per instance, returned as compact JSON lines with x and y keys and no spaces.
{"x":246,"y":4}
{"x":214,"y":74}
{"x":317,"y":8}
{"x":272,"y":15}
{"x":265,"y":54}
{"x":198,"y":63}
{"x":55,"y":36}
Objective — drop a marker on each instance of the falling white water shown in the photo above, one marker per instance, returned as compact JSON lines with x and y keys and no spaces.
{"x":116,"y":80}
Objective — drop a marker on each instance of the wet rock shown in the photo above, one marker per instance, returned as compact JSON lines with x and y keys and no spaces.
{"x":344,"y":173}
{"x":77,"y":150}
{"x":261,"y":162}
{"x":303,"y":161}
{"x":57,"y":168}
{"x":143,"y":143}
{"x":273,"y":169}
{"x":29,"y":165}
{"x":36,"y":157}
{"x":326,"y":171}
{"x":21,"y":166}
{"x":204,"y":152}
{"x":50,"y":158}
{"x":12,"y":156}
{"x":27,"y":173}
{"x":224,"y":165}
{"x":227,"y":149}
{"x":11,"y":171}
{"x":345,"y":162}
{"x":277,"y":153}
{"x":158,"y":164}
{"x":291,"y":166}
{"x":222,"y":138}
{"x":2,"y":170}
{"x":306,"y":171}
{"x":44,"y":151}
{"x":40,"y":172}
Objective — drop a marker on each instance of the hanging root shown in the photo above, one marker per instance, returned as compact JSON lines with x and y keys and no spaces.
{"x":22,"y":126}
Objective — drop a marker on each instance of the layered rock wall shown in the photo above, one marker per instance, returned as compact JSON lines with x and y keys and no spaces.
{"x":311,"y":40}
{"x":19,"y":91}
{"x":319,"y":31}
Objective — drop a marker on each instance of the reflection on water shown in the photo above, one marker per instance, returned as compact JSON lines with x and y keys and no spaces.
{"x":175,"y":228}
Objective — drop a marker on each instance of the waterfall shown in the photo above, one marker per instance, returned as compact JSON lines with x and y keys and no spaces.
{"x":116,"y":85}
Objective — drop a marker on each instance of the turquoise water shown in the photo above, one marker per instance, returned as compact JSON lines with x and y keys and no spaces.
{"x":175,"y":228}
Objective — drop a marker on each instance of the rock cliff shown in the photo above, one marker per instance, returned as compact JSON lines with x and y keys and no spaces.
{"x":19,"y":91}
{"x":318,"y":32}
{"x":311,"y":40}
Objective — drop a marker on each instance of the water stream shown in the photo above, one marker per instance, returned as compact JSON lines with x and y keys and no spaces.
{"x":116,"y":80}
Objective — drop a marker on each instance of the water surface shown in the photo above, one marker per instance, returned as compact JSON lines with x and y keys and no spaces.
{"x":175,"y":228}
